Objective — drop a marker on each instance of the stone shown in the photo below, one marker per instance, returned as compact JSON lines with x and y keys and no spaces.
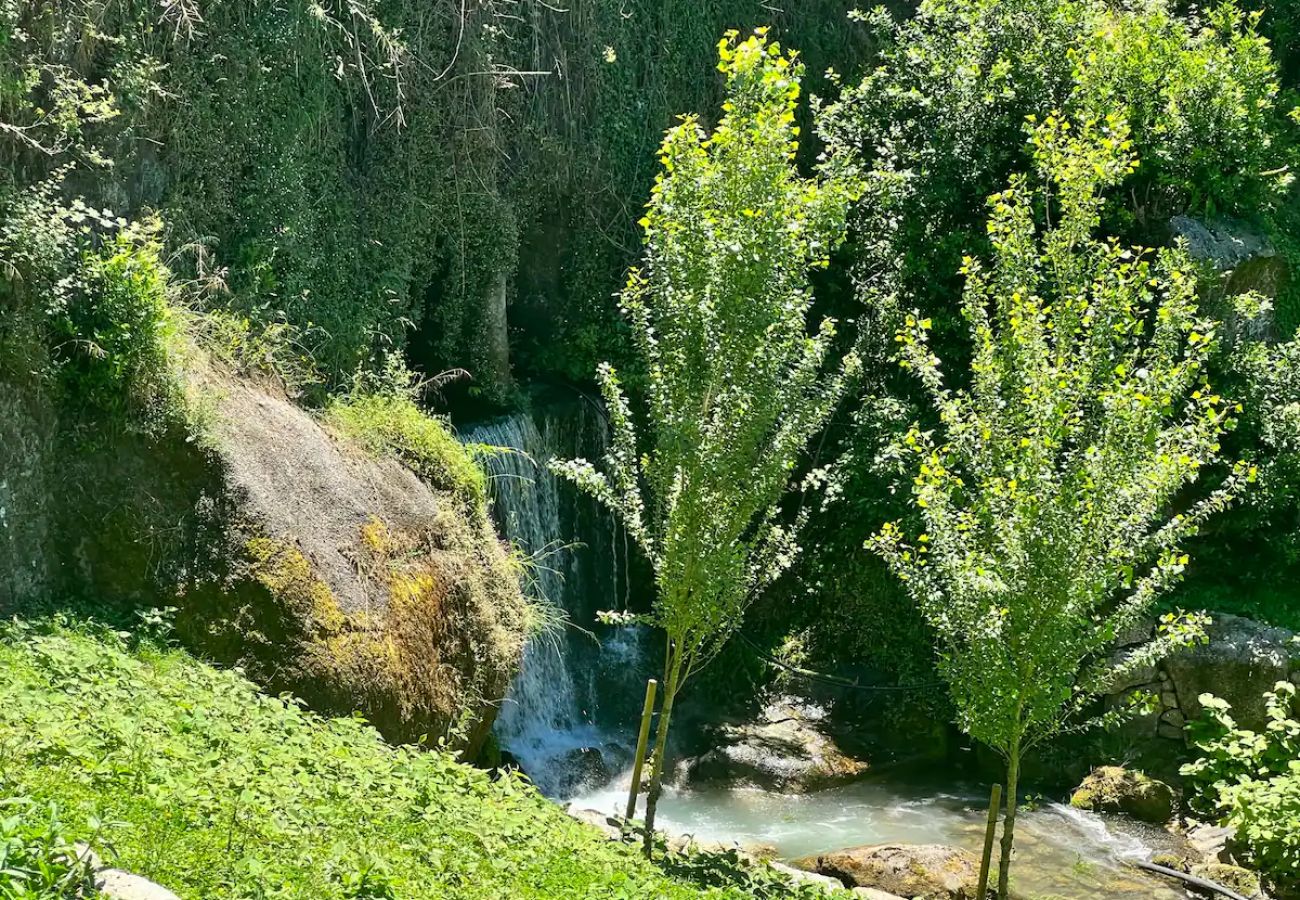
{"x":1169,"y":700}
{"x":1136,"y":634}
{"x":1141,"y":724}
{"x":1133,"y":678}
{"x":906,"y":870}
{"x":1117,"y":790}
{"x":873,"y":894}
{"x":760,"y":850}
{"x":803,"y":876}
{"x":1210,"y":842}
{"x":787,"y":751}
{"x":610,"y":826}
{"x":87,"y":856}
{"x":583,"y":767}
{"x":1173,"y":718}
{"x":1245,"y":257}
{"x":1171,"y":860}
{"x":1234,"y":878}
{"x":120,"y":885}
{"x":1242,"y":661}
{"x":1170,"y":732}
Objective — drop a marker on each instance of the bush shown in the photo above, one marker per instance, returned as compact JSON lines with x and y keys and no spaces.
{"x":938,"y":122}
{"x":1250,"y":781}
{"x":88,"y":306}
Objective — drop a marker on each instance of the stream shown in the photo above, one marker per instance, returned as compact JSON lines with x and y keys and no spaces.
{"x":570,"y":715}
{"x":1061,"y":852}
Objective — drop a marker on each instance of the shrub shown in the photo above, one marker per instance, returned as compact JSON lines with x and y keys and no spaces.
{"x":1251,"y":780}
{"x":938,"y":120}
{"x":88,"y":306}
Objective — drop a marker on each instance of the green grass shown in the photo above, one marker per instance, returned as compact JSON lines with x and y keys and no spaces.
{"x":215,"y":790}
{"x":391,"y":423}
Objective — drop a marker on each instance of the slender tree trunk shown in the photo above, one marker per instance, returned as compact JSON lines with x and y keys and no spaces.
{"x":672,"y":674}
{"x":1009,"y":823}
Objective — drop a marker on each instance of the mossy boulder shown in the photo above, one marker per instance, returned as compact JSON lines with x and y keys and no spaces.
{"x":931,"y":871}
{"x":1234,"y":878}
{"x":1117,"y":790}
{"x":316,"y":565}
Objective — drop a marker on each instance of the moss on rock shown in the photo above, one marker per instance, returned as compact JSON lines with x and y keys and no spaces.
{"x":1117,"y":790}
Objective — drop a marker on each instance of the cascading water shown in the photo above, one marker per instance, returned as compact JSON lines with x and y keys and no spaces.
{"x":561,"y":717}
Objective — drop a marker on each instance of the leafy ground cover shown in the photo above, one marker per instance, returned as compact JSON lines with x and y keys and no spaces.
{"x":188,"y":775}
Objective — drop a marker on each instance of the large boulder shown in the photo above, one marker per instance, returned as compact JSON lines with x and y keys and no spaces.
{"x":787,"y":750}
{"x":318,"y":567}
{"x":1116,"y":790}
{"x":1242,"y":661}
{"x":931,"y":871}
{"x":1243,"y":256}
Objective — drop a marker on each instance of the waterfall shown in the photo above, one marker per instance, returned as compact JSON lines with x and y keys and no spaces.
{"x":563,"y":717}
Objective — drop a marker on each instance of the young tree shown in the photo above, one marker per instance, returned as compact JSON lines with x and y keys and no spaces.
{"x":735,"y":382}
{"x":1048,"y":493}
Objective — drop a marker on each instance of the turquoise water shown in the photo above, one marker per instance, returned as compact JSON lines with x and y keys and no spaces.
{"x":1062,"y":852}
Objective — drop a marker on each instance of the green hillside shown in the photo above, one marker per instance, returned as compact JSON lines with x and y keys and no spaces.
{"x":214,"y":790}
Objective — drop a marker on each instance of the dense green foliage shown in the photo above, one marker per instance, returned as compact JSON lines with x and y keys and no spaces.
{"x":1251,"y":780}
{"x":37,"y":858}
{"x":1046,"y":493}
{"x":86,"y":306}
{"x":936,"y":126}
{"x":938,"y":122}
{"x":216,"y":791}
{"x":735,"y":384}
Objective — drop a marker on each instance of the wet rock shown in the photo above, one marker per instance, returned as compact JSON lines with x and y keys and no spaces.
{"x":906,"y":870}
{"x":1117,"y":790}
{"x":1234,"y":878}
{"x":119,"y":885}
{"x":610,"y":826}
{"x":873,"y":894}
{"x":1210,"y":842}
{"x":1242,"y":661}
{"x":584,"y":766}
{"x":788,"y":751}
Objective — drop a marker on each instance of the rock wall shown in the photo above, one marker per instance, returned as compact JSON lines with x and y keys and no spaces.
{"x":25,"y":472}
{"x":1242,"y":661}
